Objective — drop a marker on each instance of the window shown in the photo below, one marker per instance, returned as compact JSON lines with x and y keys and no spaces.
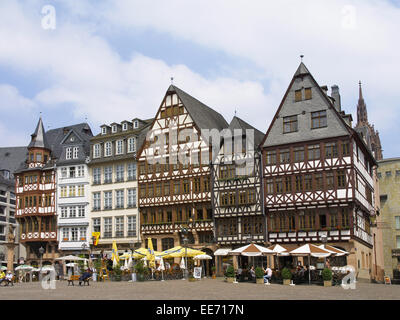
{"x":196,"y":185}
{"x":68,"y":153}
{"x":299,"y":183}
{"x":186,"y":186}
{"x":298,"y":96}
{"x":142,"y":190}
{"x":114,"y":129}
{"x":72,"y":172}
{"x":131,"y":171}
{"x":120,"y":171}
{"x":206,"y":184}
{"x":131,"y":226}
{"x":271,"y":157}
{"x":81,"y":211}
{"x":65,"y":234}
{"x":319,"y":182}
{"x":107,"y":200}
{"x":120,"y":199}
{"x":284,"y":156}
{"x":131,"y":145}
{"x":345,"y":148}
{"x":64,"y":172}
{"x":80,"y":172}
{"x":331,"y":150}
{"x":150,"y":190}
{"x":104,"y":130}
{"x":74,"y":234}
{"x":279,"y":185}
{"x":81,"y":190}
{"x":341,"y":178}
{"x":290,"y":124}
{"x":38,"y":157}
{"x":333,"y":217}
{"x":63,"y":192}
{"x":136,"y":124}
{"x":318,"y":119}
{"x":322,"y":221}
{"x":167,"y":243}
{"x":166,"y":188}
{"x":72,"y":212}
{"x":71,"y":191}
{"x":107,"y":149}
{"x":288,"y":184}
{"x":107,"y":228}
{"x":308,"y":182}
{"x":177,"y":187}
{"x":330,"y":180}
{"x":131,"y":198}
{"x":82,"y":233}
{"x":96,"y":225}
{"x":397,"y":220}
{"x":96,"y":151}
{"x":307,"y":93}
{"x":270,"y":186}
{"x":96,"y":175}
{"x":299,"y":154}
{"x":119,"y":226}
{"x":158,"y":189}
{"x":142,"y":168}
{"x":64,"y":212}
{"x":345,"y":218}
{"x":108,"y":174}
{"x":75,"y":152}
{"x":120,"y":147}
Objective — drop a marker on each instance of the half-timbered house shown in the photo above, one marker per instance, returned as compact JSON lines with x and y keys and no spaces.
{"x":174,"y":173}
{"x":237,"y":193}
{"x":318,"y":174}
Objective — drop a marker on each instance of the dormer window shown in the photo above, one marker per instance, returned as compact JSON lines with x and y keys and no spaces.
{"x":136,"y":124}
{"x":114,"y":128}
{"x":104,"y":130}
{"x":124,"y":126}
{"x":68,"y":153}
{"x":75,"y":152}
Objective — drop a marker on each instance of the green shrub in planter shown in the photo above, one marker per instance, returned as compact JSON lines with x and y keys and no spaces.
{"x":117,"y":272}
{"x":259,"y":273}
{"x":327,"y":274}
{"x":286,"y":274}
{"x":230,"y":272}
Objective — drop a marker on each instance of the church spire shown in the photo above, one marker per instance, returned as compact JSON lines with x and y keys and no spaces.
{"x":38,"y":139}
{"x":362,"y":115}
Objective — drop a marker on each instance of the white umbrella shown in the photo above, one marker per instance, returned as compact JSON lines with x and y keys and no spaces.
{"x":182,"y":265}
{"x":130,"y":261}
{"x":72,"y":258}
{"x":333,"y":250}
{"x":251,"y":250}
{"x":202,"y":257}
{"x":24,"y":267}
{"x":71,"y":264}
{"x":126,"y":264}
{"x":3,"y":268}
{"x":47,"y":268}
{"x":162,"y":268}
{"x":144,"y":262}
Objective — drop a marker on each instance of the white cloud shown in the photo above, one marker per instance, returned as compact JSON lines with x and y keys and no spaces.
{"x":86,"y":73}
{"x":12,"y":102}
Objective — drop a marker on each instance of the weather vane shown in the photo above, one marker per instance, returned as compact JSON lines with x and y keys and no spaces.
{"x":302,"y":56}
{"x":172,"y":80}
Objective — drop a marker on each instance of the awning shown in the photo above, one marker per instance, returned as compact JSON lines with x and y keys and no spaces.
{"x":222,"y":252}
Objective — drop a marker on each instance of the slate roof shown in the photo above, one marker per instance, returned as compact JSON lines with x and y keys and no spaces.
{"x":202,"y":115}
{"x":11,"y":157}
{"x":39,"y":139}
{"x":238,"y":123}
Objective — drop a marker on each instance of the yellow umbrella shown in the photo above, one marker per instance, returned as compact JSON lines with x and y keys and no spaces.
{"x":150,"y":254}
{"x":179,"y":252}
{"x":115,"y":256}
{"x":142,"y":252}
{"x":125,"y":256}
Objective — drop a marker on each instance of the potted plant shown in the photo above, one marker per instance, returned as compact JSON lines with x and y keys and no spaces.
{"x":117,"y":272}
{"x":213,"y":270}
{"x":97,"y":267}
{"x":230,"y":274}
{"x":259,"y":275}
{"x":327,"y":277}
{"x":139,"y":270}
{"x":286,"y":276}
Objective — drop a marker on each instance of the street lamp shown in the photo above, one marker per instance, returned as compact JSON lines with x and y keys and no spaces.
{"x":324,"y":240}
{"x":41,"y":252}
{"x":185,"y":242}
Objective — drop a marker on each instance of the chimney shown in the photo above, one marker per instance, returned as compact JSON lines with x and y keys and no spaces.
{"x":325,"y":89}
{"x":336,"y":95}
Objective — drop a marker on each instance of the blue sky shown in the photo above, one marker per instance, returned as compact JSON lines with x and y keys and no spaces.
{"x":113,"y":61}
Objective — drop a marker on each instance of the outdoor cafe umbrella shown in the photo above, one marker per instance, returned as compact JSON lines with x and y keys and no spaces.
{"x":47,"y":268}
{"x":251,"y":250}
{"x":310,"y":250}
{"x":2,"y":268}
{"x":278,"y":250}
{"x":71,"y":258}
{"x":202,"y":257}
{"x":334,"y":251}
{"x":24,"y":267}
{"x":162,"y":268}
{"x":179,"y":252}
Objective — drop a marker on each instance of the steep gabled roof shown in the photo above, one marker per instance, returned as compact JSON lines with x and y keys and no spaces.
{"x":240,"y":124}
{"x":39,"y":139}
{"x":12,"y":157}
{"x":203,"y":116}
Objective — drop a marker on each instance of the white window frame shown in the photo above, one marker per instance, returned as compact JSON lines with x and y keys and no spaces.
{"x":114,"y":129}
{"x":96,"y":150}
{"x":108,"y":200}
{"x":96,"y":201}
{"x":81,"y":211}
{"x":136,"y":124}
{"x":68,"y":153}
{"x":64,"y":172}
{"x":75,"y":152}
{"x":125,"y":126}
{"x":132,"y":144}
{"x":74,"y":237}
{"x":104,"y":130}
{"x":119,"y":199}
{"x":65,"y":234}
{"x":119,"y":147}
{"x":108,"y":149}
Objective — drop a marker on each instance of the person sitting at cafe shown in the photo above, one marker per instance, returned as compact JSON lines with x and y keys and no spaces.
{"x":268,"y":275}
{"x":252,"y":273}
{"x":9,"y":278}
{"x":86,"y":275}
{"x":239,"y":273}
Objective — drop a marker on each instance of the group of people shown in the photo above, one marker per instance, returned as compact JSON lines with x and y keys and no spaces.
{"x":7,"y":278}
{"x":252,"y":271}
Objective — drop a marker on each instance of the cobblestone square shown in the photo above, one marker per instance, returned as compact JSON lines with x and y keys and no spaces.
{"x":206,"y":289}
